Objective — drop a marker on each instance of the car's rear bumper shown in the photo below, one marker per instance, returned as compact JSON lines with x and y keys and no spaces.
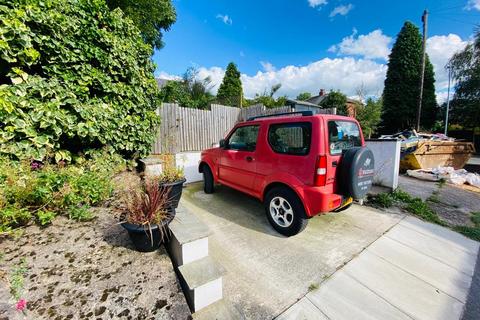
{"x":318,"y":200}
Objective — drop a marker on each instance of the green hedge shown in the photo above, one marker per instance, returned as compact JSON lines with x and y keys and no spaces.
{"x":73,"y":76}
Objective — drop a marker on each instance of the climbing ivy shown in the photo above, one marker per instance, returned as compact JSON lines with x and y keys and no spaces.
{"x":73,"y":76}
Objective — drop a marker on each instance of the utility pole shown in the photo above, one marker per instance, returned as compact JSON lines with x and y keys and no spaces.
{"x":449,"y":66}
{"x":422,"y":76}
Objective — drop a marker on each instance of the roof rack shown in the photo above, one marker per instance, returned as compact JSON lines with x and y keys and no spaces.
{"x":303,"y":113}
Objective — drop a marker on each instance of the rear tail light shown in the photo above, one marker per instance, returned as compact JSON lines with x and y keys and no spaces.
{"x":321,"y":171}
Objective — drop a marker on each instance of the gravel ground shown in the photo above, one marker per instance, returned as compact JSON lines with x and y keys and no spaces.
{"x":89,"y":271}
{"x":453,"y":204}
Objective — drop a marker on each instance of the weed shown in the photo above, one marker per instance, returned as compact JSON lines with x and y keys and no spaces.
{"x":470,"y":232}
{"x":17,"y":278}
{"x":400,"y":195}
{"x":434,"y":198}
{"x":441,"y":183}
{"x":45,"y":217}
{"x":475,"y":217}
{"x":382,"y":200}
{"x":421,"y":209}
{"x":313,"y":286}
{"x":413,"y":205}
{"x":80,"y":213}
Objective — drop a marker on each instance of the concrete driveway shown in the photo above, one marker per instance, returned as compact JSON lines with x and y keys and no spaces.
{"x":266,"y":272}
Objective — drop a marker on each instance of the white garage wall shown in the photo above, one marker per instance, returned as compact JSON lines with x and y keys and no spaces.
{"x":189,"y":162}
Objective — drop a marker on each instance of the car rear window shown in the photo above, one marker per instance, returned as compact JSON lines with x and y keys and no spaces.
{"x":290,"y":138}
{"x":343,"y":135}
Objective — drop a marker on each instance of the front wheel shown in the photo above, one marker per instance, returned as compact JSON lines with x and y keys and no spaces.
{"x":208,"y":183}
{"x":285,"y":211}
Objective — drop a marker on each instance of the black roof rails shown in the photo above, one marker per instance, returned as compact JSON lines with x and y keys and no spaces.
{"x":303,"y":113}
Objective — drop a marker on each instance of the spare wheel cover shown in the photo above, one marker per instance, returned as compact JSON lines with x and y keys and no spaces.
{"x":359,"y":167}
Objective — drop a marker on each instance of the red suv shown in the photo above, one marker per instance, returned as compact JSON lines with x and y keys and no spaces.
{"x":298,"y":164}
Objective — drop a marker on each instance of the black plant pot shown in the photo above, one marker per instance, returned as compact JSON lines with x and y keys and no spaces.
{"x":142,"y":238}
{"x":175,"y":192}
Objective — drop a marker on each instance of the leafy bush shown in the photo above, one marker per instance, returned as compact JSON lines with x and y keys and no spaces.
{"x":73,"y":76}
{"x":29,"y":192}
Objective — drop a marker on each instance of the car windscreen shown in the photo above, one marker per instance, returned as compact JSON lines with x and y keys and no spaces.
{"x":343,"y":135}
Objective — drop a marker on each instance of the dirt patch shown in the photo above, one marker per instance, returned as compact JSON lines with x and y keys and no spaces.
{"x":89,"y":271}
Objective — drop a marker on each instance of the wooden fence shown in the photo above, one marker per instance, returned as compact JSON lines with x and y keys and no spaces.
{"x":187,"y":129}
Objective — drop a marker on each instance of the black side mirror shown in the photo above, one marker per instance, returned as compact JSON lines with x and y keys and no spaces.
{"x":222,"y":143}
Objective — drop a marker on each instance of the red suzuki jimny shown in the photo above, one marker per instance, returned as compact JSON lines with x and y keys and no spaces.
{"x":298,"y":164}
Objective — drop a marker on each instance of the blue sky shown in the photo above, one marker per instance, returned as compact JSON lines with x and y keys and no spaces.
{"x":307,"y":44}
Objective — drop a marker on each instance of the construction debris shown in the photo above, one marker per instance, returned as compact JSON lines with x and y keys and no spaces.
{"x":449,"y":174}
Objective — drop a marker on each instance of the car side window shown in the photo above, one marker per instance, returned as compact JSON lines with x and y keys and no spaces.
{"x":290,"y":138}
{"x":243,"y":138}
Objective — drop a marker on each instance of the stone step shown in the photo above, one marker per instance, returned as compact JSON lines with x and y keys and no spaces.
{"x":201,"y":282}
{"x":220,"y":310}
{"x":189,"y":241}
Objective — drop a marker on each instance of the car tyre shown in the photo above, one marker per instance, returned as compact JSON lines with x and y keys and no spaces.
{"x":208,"y":185}
{"x":294,"y":218}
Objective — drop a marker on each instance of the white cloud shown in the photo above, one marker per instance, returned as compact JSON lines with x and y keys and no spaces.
{"x":267,"y":66}
{"x":166,"y":76}
{"x":242,"y":54}
{"x":371,"y":46}
{"x":473,"y":5}
{"x":345,"y":74}
{"x":440,"y":49}
{"x":225,"y":18}
{"x":442,"y":96}
{"x":316,"y":3}
{"x":342,"y":10}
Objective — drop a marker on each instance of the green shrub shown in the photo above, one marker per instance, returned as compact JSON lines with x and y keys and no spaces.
{"x":45,"y":217}
{"x":73,"y":76}
{"x":39,"y":192}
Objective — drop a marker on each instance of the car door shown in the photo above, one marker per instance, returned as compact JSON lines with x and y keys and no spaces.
{"x":237,"y":158}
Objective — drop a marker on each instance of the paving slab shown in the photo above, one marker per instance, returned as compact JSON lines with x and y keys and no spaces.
{"x":449,"y":280}
{"x":408,"y":293}
{"x":342,"y":296}
{"x":267,"y":272}
{"x":443,"y":251}
{"x":220,"y":310}
{"x":304,"y":309}
{"x":442,"y":234}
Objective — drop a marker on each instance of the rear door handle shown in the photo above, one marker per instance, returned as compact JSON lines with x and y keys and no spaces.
{"x":334,"y":163}
{"x":249,"y":159}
